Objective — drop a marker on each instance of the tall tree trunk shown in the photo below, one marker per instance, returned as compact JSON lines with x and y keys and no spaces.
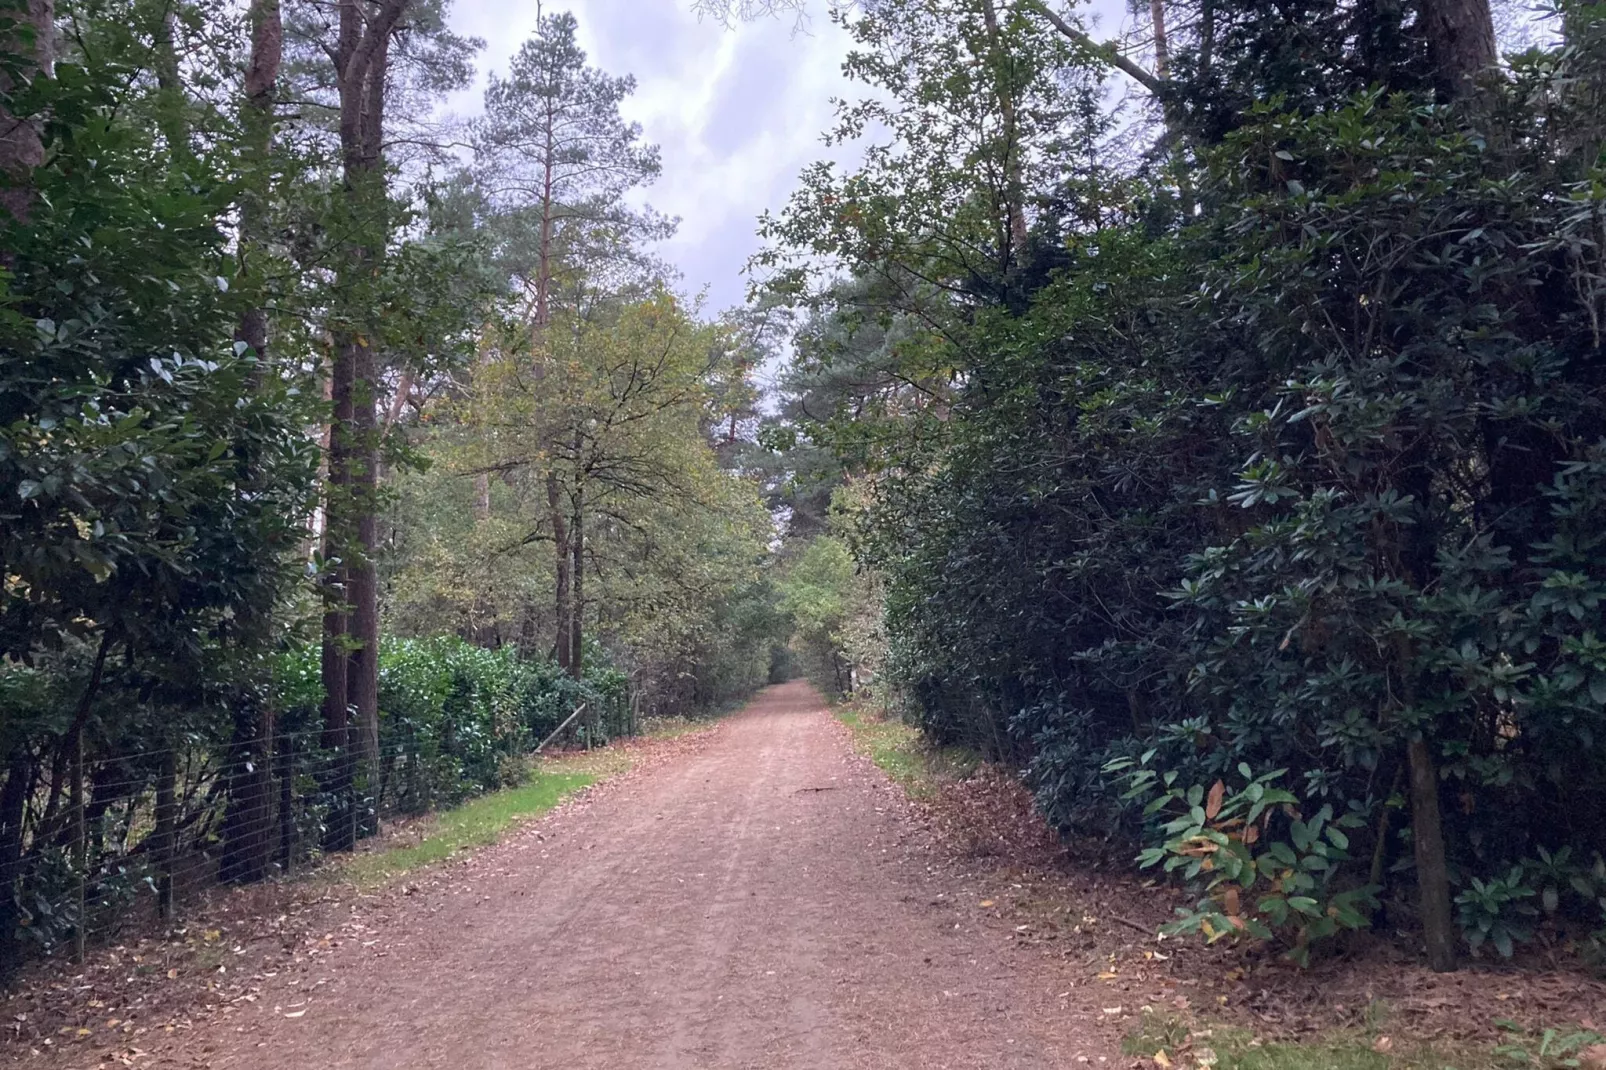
{"x":560,"y":540}
{"x":1432,"y":872}
{"x":261,"y":76}
{"x":248,"y":832}
{"x":363,"y":590}
{"x":248,"y":824}
{"x":20,"y":773}
{"x":165,"y":835}
{"x":1427,"y":826}
{"x":1461,"y":43}
{"x":287,"y":803}
{"x":21,"y":149}
{"x":543,"y":271}
{"x":336,"y":657}
{"x":577,"y":541}
{"x":170,"y":88}
{"x":361,"y":59}
{"x":1162,"y":42}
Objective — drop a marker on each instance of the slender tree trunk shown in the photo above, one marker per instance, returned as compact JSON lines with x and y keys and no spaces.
{"x":21,"y":149}
{"x":248,"y":825}
{"x":560,"y":540}
{"x":170,"y":88}
{"x":336,"y":657}
{"x":577,"y":540}
{"x":361,"y":61}
{"x":543,"y":273}
{"x":1015,"y":185}
{"x":80,"y":849}
{"x":248,"y":832}
{"x":363,"y":590}
{"x":1427,"y":827}
{"x":165,"y":836}
{"x":287,"y":804}
{"x":1162,"y":42}
{"x":20,"y":772}
{"x":261,"y":76}
{"x":1432,"y":873}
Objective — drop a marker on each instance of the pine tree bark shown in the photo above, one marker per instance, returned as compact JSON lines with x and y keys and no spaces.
{"x":261,"y":78}
{"x":577,"y":542}
{"x":363,"y":590}
{"x":563,"y":599}
{"x":1461,"y":43}
{"x":21,"y":148}
{"x":361,"y":59}
{"x":248,"y":832}
{"x":336,"y":658}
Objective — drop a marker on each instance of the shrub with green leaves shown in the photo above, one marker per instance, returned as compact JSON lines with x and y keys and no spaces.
{"x":1267,"y":872}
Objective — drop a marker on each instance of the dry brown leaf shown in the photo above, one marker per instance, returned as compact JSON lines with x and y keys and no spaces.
{"x":1218,"y":794}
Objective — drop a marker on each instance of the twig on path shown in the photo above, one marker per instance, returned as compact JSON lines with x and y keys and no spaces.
{"x":1146,"y":930}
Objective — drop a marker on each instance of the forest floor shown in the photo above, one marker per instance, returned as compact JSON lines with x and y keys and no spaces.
{"x":756,"y":895}
{"x":1370,"y":1004}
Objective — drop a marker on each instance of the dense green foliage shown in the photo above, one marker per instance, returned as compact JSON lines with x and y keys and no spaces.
{"x":1267,"y":467}
{"x":284,"y":417}
{"x":456,"y":720}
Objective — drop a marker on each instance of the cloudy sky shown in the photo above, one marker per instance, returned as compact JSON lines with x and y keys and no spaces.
{"x":738,"y":113}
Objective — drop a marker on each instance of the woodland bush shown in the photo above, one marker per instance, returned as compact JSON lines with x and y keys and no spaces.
{"x":1279,"y":449}
{"x":259,"y":358}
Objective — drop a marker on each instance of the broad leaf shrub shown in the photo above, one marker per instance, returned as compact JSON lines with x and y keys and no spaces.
{"x":458,"y":717}
{"x":456,"y":721}
{"x":1309,"y":478}
{"x":1268,"y":873}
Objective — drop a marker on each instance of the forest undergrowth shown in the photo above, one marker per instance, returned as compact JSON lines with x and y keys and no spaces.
{"x":1186,"y":1005}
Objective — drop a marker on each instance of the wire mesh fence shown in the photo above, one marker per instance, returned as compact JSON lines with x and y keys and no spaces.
{"x":105,"y":844}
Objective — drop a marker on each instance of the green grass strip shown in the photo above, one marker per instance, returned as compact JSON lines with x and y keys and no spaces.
{"x":901,"y":752}
{"x":476,"y":823}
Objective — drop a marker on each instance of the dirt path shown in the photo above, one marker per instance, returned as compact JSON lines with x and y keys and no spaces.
{"x":762,"y":902}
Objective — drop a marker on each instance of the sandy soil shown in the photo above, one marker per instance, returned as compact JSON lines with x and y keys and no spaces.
{"x":766,"y":900}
